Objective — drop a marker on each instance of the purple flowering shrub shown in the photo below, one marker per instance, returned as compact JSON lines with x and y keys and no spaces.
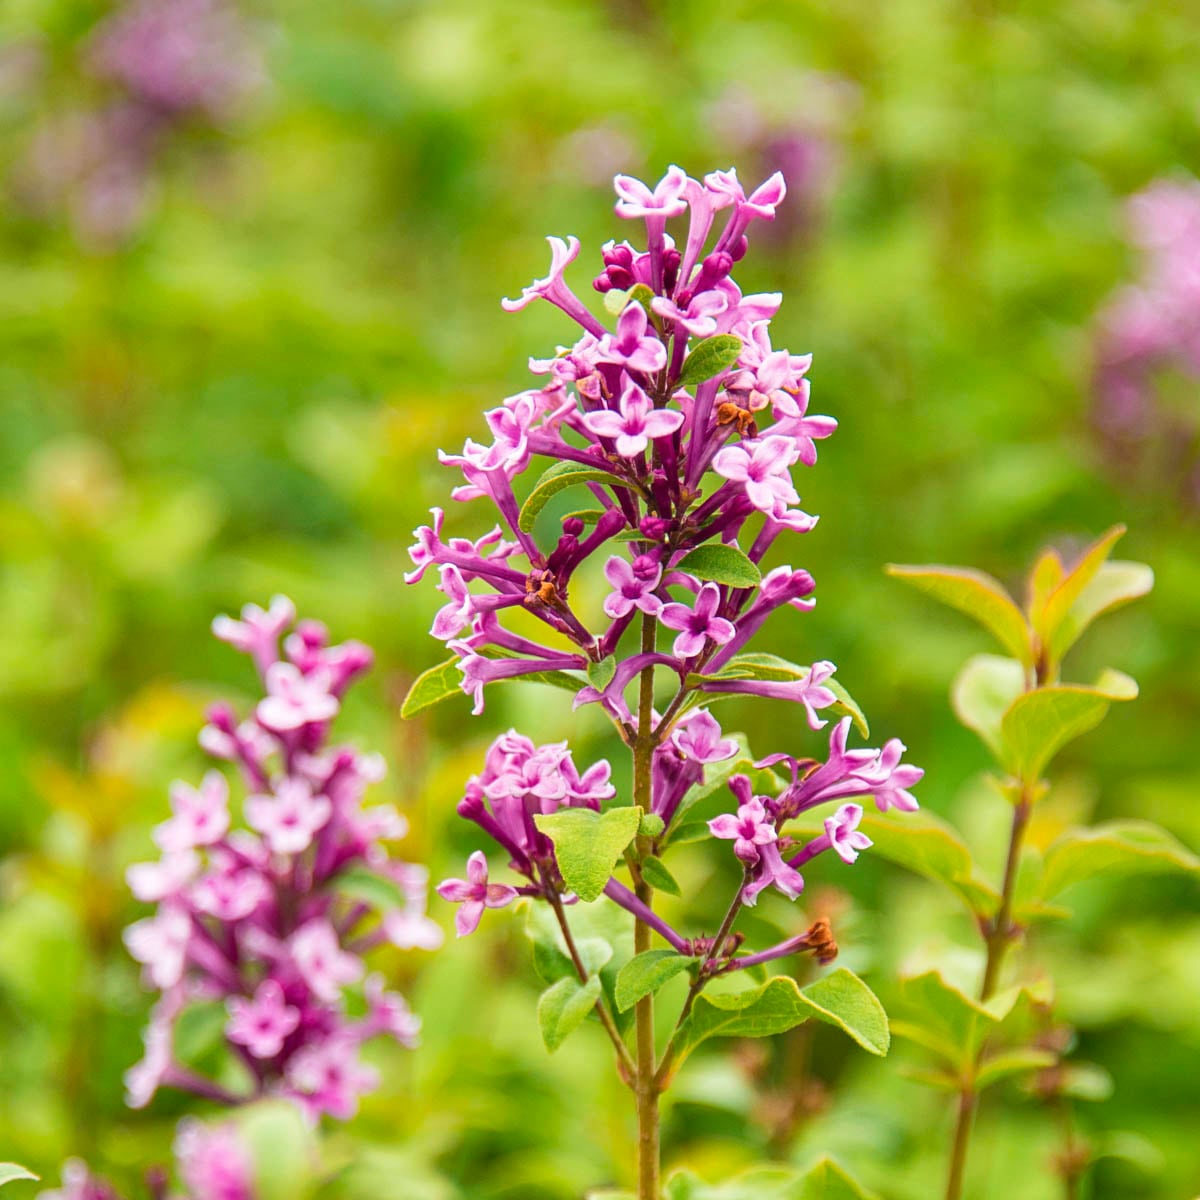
{"x":271,"y":921}
{"x":680,"y":428}
{"x":1148,"y":331}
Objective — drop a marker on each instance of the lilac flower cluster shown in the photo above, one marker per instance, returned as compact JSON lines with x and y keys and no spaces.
{"x":1148,"y":328}
{"x":684,"y":423}
{"x":266,"y":920}
{"x":168,"y":62}
{"x":212,"y":1162}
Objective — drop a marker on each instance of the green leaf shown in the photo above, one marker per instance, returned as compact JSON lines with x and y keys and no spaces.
{"x":709,"y":358}
{"x":646,"y":973}
{"x":10,"y":1172}
{"x":589,"y":516}
{"x":588,"y":844}
{"x":432,"y":686}
{"x":1047,"y":620}
{"x":1114,"y":848}
{"x":927,"y":846}
{"x":551,"y":959}
{"x":600,"y":673}
{"x":617,"y":301}
{"x":657,"y":875}
{"x":1039,"y":723}
{"x":1115,"y":584}
{"x":722,"y":564}
{"x":281,"y":1148}
{"x":652,"y":825}
{"x":983,"y":691}
{"x":933,"y":1014}
{"x":557,"y":478}
{"x":361,"y":884}
{"x":563,"y":1007}
{"x":1006,"y":1063}
{"x":979,"y":596}
{"x":1085,"y":1081}
{"x":840,"y":999}
{"x":828,"y":1181}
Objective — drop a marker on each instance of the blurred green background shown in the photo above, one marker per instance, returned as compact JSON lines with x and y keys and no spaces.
{"x":231,"y":346}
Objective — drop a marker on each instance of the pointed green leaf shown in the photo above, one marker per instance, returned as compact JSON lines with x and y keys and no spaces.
{"x":1006,"y":1063}
{"x":1060,"y":600}
{"x":10,"y":1172}
{"x":588,"y":844}
{"x":646,"y":973}
{"x":557,"y":478}
{"x":709,"y":358}
{"x":563,"y":1007}
{"x":722,"y":564}
{"x":983,"y":692}
{"x":1048,"y":572}
{"x":589,"y":516}
{"x":979,"y":596}
{"x":927,"y":846}
{"x":433,"y":686}
{"x":1115,"y":848}
{"x":600,"y":673}
{"x":827,"y":1180}
{"x":840,"y":999}
{"x":1039,"y":723}
{"x":1115,"y":584}
{"x":617,"y":301}
{"x":656,"y":875}
{"x":934,"y":1014}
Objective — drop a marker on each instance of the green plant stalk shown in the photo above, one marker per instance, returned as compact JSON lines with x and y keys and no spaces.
{"x":646,"y":1086}
{"x":998,"y":937}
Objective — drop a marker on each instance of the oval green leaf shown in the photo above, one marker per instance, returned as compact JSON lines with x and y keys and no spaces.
{"x":722,"y":564}
{"x":709,"y":358}
{"x":647,"y":973}
{"x":588,"y":844}
{"x":558,"y":478}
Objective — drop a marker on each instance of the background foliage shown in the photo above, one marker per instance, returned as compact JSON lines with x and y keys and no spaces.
{"x":244,"y":395}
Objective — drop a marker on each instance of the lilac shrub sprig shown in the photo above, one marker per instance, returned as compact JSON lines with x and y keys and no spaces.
{"x":271,"y":921}
{"x":1025,"y":714}
{"x":682,"y":425}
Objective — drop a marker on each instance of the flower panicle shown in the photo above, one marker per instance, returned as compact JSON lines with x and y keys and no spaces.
{"x":272,"y":919}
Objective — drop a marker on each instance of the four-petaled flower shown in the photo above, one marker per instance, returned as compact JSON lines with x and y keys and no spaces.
{"x":749,"y":829}
{"x":699,"y":624}
{"x":294,"y":700}
{"x":762,"y":468}
{"x":698,"y":737}
{"x":290,"y":818}
{"x":262,"y":1024}
{"x":321,"y":961}
{"x":201,"y":815}
{"x":257,"y":633}
{"x":842,"y":831}
{"x":635,"y":423}
{"x":474,"y":894}
{"x":635,"y":345}
{"x":634,"y":585}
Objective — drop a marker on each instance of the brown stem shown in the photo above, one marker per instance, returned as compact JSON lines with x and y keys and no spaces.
{"x":999,"y":936}
{"x":624,"y":1060}
{"x":646,"y":1082}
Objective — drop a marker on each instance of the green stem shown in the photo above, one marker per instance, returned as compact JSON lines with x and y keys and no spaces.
{"x":998,"y":938}
{"x":645,"y":1078}
{"x":624,"y":1060}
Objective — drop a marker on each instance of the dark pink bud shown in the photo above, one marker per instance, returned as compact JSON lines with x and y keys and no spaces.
{"x":573,"y":527}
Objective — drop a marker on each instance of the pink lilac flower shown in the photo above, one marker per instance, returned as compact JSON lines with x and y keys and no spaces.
{"x":474,"y":894}
{"x":259,"y":630}
{"x":262,"y":1023}
{"x":699,"y":738}
{"x":698,"y":624}
{"x":762,"y":470}
{"x":201,"y":815}
{"x":636,"y":347}
{"x":214,"y":1163}
{"x":289,"y":818}
{"x":294,"y":699}
{"x":749,"y":830}
{"x":634,"y":585}
{"x":843,"y":834}
{"x":633,"y":425}
{"x":260,"y":918}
